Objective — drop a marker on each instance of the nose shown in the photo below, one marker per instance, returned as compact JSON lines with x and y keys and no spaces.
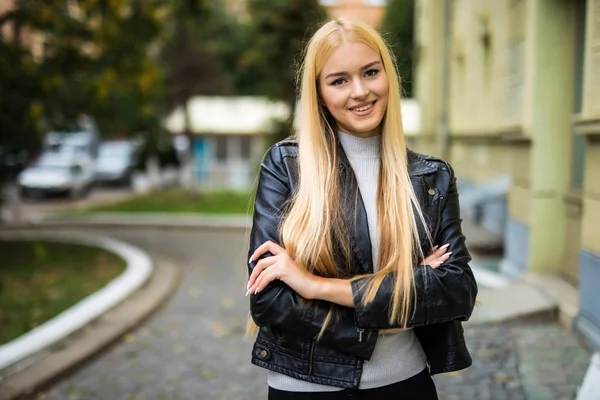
{"x":359,"y":89}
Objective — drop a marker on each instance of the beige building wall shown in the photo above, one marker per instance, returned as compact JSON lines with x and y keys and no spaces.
{"x":427,"y":76}
{"x":502,"y":115}
{"x":520,"y":80}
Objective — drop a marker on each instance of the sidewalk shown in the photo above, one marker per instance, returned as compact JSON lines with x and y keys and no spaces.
{"x":519,"y":350}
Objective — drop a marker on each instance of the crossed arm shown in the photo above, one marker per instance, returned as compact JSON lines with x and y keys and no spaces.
{"x":279,"y":288}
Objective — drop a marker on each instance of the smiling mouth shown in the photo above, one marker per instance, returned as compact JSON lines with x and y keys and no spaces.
{"x":362,"y":108}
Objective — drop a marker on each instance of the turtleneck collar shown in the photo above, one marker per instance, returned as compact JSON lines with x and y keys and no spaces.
{"x":357,"y":147}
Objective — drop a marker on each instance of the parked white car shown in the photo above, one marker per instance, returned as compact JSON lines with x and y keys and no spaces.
{"x":56,"y":175}
{"x":115,"y":162}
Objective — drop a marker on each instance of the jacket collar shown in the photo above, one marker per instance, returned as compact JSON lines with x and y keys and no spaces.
{"x":418,"y":165}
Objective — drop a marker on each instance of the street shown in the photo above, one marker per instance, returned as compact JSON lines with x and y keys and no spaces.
{"x":194,"y":346}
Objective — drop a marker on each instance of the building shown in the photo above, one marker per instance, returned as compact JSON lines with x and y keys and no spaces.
{"x":369,"y":11}
{"x":231,"y":135}
{"x":509,"y":88}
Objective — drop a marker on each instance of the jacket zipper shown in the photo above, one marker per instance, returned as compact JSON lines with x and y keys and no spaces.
{"x":310,"y":357}
{"x":360,"y":334}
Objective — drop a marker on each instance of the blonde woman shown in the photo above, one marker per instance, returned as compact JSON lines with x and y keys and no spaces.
{"x":347,"y":304}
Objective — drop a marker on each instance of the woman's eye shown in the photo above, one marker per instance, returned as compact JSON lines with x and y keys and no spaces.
{"x":337,"y":82}
{"x":372,"y":72}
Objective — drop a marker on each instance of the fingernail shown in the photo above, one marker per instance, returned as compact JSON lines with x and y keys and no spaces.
{"x":256,"y":291}
{"x":248,"y":292}
{"x":248,"y":285}
{"x":447,"y":254}
{"x":250,"y":260}
{"x":444,"y":246}
{"x":438,"y":264}
{"x":435,"y":247}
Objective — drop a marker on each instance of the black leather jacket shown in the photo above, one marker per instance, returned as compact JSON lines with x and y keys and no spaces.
{"x":289,"y":324}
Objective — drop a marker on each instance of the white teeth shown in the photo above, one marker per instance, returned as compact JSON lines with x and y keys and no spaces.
{"x":365,"y":108}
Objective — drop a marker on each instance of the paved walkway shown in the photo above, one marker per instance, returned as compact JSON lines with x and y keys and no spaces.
{"x":193,"y":347}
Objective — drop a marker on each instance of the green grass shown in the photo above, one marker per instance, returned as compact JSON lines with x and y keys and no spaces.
{"x":39,"y":280}
{"x":180,"y":201}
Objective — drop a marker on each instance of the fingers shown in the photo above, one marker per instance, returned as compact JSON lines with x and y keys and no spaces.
{"x":267,"y":246}
{"x":440,"y":260}
{"x":264,"y":279}
{"x":438,"y":257}
{"x":259,"y":268}
{"x":267,"y":276}
{"x":438,"y":252}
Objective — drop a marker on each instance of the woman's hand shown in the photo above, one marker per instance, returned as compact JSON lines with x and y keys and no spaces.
{"x":281,"y":267}
{"x":437,"y":258}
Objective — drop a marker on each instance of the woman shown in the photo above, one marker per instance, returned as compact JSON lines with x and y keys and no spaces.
{"x":347,"y":304}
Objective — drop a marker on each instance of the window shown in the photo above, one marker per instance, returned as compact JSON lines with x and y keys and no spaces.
{"x":246,"y":147}
{"x":376,"y":2}
{"x":328,"y":3}
{"x":221,"y":148}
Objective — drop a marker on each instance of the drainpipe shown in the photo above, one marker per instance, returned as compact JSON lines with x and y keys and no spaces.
{"x":443,"y":136}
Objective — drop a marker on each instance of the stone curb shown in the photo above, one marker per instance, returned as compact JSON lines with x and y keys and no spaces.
{"x":516,"y":301}
{"x":97,"y":336}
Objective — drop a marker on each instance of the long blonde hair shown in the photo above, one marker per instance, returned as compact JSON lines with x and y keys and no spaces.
{"x":314,"y":225}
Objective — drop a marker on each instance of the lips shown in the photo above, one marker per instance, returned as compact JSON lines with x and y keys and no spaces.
{"x":363,"y":110}
{"x":362,"y":107}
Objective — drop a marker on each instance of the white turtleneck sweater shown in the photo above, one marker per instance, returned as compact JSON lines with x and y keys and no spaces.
{"x":396,"y":356}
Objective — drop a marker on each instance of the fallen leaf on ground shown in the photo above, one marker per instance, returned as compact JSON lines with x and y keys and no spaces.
{"x":227,"y":302}
{"x":129,"y":337}
{"x":219,"y":329}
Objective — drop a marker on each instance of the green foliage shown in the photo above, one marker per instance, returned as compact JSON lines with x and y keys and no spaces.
{"x":96,"y":60}
{"x":397,"y":27}
{"x":126,"y":63}
{"x":198,"y":40}
{"x":276,"y":37}
{"x":19,"y":103}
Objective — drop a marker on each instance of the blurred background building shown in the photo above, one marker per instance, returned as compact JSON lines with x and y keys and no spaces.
{"x":370,"y":11}
{"x":509,"y":93}
{"x":229,"y":136}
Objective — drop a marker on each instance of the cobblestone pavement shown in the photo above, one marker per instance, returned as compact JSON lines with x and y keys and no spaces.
{"x":193,"y":347}
{"x":519,"y":360}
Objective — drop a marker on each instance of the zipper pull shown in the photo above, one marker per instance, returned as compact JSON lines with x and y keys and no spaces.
{"x":360,"y":334}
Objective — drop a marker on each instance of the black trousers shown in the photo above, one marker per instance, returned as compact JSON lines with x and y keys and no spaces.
{"x":418,"y":387}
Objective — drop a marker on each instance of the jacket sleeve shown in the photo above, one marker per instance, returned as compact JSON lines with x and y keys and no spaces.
{"x":277,"y":304}
{"x":443,"y":294}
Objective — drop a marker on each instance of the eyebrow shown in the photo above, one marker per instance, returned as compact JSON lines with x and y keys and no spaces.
{"x":343,"y":73}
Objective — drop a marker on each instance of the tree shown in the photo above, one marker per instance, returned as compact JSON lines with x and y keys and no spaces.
{"x":96,"y":61}
{"x":19,"y":107}
{"x":398,"y":27}
{"x":193,"y":62}
{"x":277,"y":34}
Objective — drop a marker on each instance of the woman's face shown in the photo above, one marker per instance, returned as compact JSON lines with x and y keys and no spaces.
{"x":354,"y":88}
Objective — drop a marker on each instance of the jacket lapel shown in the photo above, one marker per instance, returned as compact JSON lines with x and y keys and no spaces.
{"x":356,"y":214}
